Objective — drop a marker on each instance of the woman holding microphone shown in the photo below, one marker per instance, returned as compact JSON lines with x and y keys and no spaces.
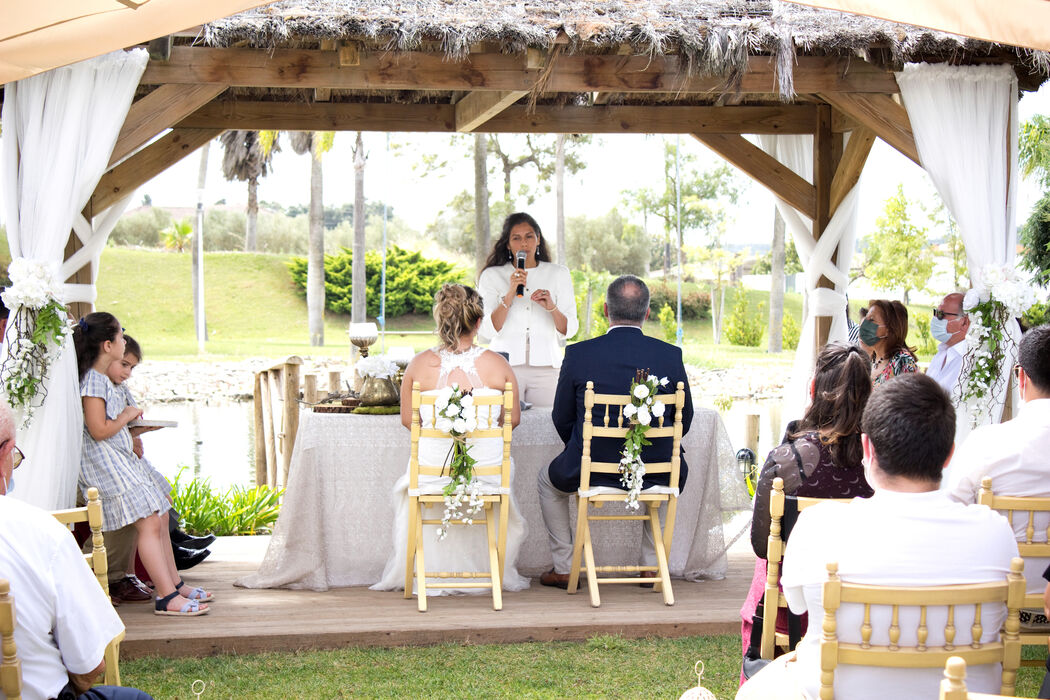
{"x":530,"y":307}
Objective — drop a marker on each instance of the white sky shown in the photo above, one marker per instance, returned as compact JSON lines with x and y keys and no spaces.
{"x":614,"y":163}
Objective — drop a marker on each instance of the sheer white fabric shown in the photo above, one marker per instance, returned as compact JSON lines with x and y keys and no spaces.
{"x":59,"y":131}
{"x":796,"y":152}
{"x":977,"y":106}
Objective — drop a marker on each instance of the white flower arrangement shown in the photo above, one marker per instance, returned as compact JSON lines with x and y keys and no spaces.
{"x":379,"y":366}
{"x":37,"y":330}
{"x":999,"y":297}
{"x":454,"y":414}
{"x":642,"y":410}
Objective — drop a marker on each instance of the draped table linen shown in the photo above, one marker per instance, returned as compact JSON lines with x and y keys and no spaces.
{"x":336,"y":522}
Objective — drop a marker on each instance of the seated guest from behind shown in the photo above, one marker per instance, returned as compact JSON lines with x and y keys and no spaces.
{"x":884,"y":334}
{"x":948,"y":326}
{"x":611,"y":361}
{"x":906,"y":534}
{"x":1016,"y":454}
{"x":820,"y":456}
{"x":63,"y":620}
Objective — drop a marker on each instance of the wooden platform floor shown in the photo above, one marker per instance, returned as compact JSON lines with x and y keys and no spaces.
{"x":244,"y":621}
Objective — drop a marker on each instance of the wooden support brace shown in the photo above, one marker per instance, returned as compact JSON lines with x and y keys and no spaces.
{"x":765,"y":169}
{"x":322,"y":94}
{"x":349,"y":55}
{"x":850,"y":165}
{"x":160,"y":48}
{"x":882,"y":115}
{"x":478,"y":107}
{"x":823,"y":169}
{"x":159,"y":110}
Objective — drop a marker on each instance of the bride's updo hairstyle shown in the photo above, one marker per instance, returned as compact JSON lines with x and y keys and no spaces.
{"x":457,"y":310}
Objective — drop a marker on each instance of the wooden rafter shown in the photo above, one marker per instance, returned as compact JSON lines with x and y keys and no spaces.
{"x":159,"y":110}
{"x":850,"y":165}
{"x":765,"y":169}
{"x":122,"y":180}
{"x":364,"y":116}
{"x":882,"y":115}
{"x":302,"y":68}
{"x":478,"y":107}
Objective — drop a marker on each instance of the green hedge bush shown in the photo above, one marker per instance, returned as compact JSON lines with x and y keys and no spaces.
{"x":411,"y":281}
{"x":744,"y":327}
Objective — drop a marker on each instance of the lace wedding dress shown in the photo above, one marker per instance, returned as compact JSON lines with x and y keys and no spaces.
{"x":466,"y":547}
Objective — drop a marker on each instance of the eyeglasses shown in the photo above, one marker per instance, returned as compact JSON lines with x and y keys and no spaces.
{"x":16,"y":457}
{"x":939,"y":315}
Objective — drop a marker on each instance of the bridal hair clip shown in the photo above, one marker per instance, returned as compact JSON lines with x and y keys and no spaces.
{"x":83,"y":325}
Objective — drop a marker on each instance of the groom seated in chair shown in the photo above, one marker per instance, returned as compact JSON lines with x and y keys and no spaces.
{"x":611,"y":362}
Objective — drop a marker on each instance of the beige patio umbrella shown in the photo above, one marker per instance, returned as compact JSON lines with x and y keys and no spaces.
{"x":38,"y":35}
{"x":1015,"y":22}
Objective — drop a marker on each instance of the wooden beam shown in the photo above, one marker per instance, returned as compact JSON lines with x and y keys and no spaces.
{"x":159,"y":110}
{"x":122,"y":180}
{"x":850,"y":166}
{"x":602,"y":98}
{"x":366,"y":116}
{"x":322,"y":94}
{"x":823,"y":171}
{"x":765,"y":169}
{"x":882,"y":115}
{"x":478,"y":107}
{"x":415,"y":70}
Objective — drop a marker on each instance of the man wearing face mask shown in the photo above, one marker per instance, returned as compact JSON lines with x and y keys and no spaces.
{"x":63,"y":620}
{"x":948,"y":326}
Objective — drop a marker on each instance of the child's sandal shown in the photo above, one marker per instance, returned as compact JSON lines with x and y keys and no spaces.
{"x":198,"y":594}
{"x":191,"y":608}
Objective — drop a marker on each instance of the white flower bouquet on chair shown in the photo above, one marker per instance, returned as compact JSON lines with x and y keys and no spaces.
{"x":644,"y":407}
{"x":454,"y":414}
{"x":37,"y":330}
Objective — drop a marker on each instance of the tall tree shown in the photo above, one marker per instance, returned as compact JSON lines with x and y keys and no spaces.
{"x":540,"y":154}
{"x":245,"y":159}
{"x":1034,"y":150}
{"x":898,"y":254}
{"x":1035,"y":163}
{"x":481,"y":202}
{"x":316,"y":143}
{"x":357,"y":304}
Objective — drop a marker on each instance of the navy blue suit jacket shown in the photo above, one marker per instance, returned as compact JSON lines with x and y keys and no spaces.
{"x":611,"y":361}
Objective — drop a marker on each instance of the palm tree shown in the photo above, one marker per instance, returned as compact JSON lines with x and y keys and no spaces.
{"x":247,"y":158}
{"x":316,"y":143}
{"x":178,"y":235}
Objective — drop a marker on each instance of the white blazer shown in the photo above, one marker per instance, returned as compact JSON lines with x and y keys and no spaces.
{"x":527,"y":321}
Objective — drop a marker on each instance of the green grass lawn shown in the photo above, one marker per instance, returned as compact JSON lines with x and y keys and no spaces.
{"x":603,"y":667}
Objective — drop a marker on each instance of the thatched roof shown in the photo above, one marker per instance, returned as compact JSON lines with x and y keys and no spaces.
{"x":714,"y":36}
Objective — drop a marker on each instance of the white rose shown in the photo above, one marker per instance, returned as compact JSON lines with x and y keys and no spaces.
{"x":452,"y":410}
{"x":472,"y":425}
{"x":443,"y":397}
{"x":643,"y":416}
{"x":629,"y":410}
{"x":971,"y":300}
{"x":663,"y":381}
{"x":444,"y":425}
{"x":467,"y":401}
{"x":641,"y":391}
{"x":658,"y":409}
{"x":459,"y":425}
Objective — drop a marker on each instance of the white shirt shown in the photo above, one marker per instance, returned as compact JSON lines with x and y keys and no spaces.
{"x":63,"y":619}
{"x":894,"y":539}
{"x":945,"y":365}
{"x":1016,"y":454}
{"x":526,"y":321}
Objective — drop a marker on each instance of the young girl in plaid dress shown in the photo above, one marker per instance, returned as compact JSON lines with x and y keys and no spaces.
{"x":129,"y":494}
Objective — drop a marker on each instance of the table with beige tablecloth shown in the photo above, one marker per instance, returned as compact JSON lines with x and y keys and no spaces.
{"x":336,"y":518}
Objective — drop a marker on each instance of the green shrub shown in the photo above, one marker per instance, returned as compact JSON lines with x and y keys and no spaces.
{"x":240,"y":511}
{"x":695,"y":304}
{"x":790,"y":332}
{"x":922,"y":323}
{"x":1037,"y":315}
{"x":744,"y":327}
{"x":599,"y":324}
{"x":669,"y":323}
{"x":411,"y":281}
{"x":141,"y":228}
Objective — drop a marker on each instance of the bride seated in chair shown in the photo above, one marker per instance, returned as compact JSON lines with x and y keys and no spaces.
{"x":458,"y":312}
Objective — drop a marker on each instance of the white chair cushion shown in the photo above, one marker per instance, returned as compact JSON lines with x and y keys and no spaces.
{"x":612,"y":490}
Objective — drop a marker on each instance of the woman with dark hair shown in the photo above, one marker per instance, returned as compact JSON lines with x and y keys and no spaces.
{"x":530,"y":327}
{"x":883,"y":334}
{"x":820,"y":456}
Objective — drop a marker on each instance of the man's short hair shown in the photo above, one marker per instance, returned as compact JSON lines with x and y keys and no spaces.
{"x":628,"y":299}
{"x":910,"y":421}
{"x":1033,"y":354}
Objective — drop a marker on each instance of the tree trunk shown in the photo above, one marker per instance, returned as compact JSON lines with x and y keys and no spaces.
{"x":315,"y":256}
{"x":588,"y":314}
{"x":198,"y":246}
{"x":506,"y":185}
{"x":776,"y":285}
{"x":559,"y":185}
{"x":357,"y":300}
{"x":250,"y":233}
{"x":481,"y":202}
{"x":907,"y":292}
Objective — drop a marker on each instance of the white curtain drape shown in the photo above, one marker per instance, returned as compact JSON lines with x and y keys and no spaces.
{"x":59,"y":131}
{"x":964,"y":119}
{"x":796,"y":152}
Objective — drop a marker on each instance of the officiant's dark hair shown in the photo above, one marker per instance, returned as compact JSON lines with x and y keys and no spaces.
{"x":627,"y":299}
{"x":910,"y":421}
{"x":841,"y":387}
{"x":88,"y":335}
{"x":500,"y":253}
{"x":457,"y":310}
{"x":1033,"y":354}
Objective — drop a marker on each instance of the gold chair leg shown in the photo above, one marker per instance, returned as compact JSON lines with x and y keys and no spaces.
{"x":592,"y":574}
{"x":410,"y":547}
{"x":661,"y":555}
{"x":501,"y":543}
{"x":421,"y":575}
{"x":577,"y":546}
{"x":112,"y":659}
{"x":497,"y":583}
{"x":672,"y":508}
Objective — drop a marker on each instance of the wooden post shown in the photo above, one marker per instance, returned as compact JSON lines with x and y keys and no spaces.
{"x":751,"y":432}
{"x":335,"y":382}
{"x":291,"y":414}
{"x":266,"y":385}
{"x":823,"y":172}
{"x":260,"y":432}
{"x":310,"y":388}
{"x":81,"y":276}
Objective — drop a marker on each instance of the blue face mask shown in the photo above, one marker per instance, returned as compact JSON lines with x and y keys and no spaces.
{"x":939,"y":329}
{"x":10,"y":484}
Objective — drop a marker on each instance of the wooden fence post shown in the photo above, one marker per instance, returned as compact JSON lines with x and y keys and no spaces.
{"x":260,"y":432}
{"x":310,"y":388}
{"x":291,"y":414}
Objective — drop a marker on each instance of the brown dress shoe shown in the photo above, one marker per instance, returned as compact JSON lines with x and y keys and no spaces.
{"x":115,"y":600}
{"x":647,"y":574}
{"x":555,"y":580}
{"x":129,"y":591}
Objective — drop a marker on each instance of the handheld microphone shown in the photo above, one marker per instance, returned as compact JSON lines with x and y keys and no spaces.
{"x":521,"y":266}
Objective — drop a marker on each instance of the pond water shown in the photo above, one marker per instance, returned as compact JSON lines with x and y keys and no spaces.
{"x":217,"y":441}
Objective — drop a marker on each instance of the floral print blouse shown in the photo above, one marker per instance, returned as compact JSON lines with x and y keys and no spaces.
{"x":901,"y":363}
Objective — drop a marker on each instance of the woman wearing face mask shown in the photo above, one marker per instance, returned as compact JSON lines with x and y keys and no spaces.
{"x":530,"y":329}
{"x":883,"y":335}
